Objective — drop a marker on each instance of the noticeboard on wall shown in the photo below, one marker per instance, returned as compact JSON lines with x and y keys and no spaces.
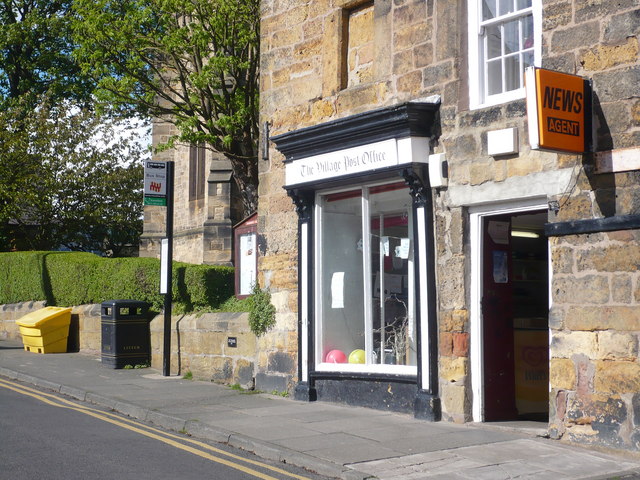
{"x":246,"y":255}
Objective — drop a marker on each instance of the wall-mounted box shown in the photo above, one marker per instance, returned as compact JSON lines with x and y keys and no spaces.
{"x":502,"y":142}
{"x":438,"y":170}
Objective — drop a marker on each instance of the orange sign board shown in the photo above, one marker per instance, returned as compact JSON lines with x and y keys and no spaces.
{"x":559,"y":111}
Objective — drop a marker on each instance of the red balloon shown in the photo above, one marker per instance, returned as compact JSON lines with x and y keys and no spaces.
{"x":336,"y":356}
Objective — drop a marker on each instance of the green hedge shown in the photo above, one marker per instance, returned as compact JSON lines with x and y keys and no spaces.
{"x":71,"y":278}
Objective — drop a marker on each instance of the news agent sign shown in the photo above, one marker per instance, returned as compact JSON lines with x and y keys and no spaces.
{"x":155,"y":183}
{"x":558,"y":110}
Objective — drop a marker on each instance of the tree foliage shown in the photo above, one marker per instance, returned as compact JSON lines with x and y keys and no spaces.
{"x":64,"y":182}
{"x":35,"y":52}
{"x":191,"y":62}
{"x":59,"y":186}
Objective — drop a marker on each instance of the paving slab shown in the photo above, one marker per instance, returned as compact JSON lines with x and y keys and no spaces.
{"x":351,"y":443}
{"x":354,"y":452}
{"x":535,"y":458}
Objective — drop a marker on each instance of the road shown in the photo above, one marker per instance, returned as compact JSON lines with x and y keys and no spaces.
{"x":43,"y":435}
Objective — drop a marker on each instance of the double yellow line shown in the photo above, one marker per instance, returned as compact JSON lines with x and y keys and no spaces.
{"x":187,"y":444}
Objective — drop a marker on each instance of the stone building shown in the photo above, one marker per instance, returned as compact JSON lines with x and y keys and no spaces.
{"x":206,"y":204}
{"x":421,"y":254}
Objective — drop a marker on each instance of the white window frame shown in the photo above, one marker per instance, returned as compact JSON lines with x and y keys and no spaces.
{"x":320,"y":365}
{"x":477,"y":70}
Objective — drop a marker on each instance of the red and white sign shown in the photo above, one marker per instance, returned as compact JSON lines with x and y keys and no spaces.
{"x":155,"y":183}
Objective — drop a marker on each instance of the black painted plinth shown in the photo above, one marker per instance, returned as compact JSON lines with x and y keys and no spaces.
{"x":390,"y":394}
{"x":427,"y":406}
{"x":305,"y":393}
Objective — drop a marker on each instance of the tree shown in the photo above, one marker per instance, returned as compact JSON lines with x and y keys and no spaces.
{"x":58,"y":185}
{"x":19,"y":169}
{"x":192,"y":62}
{"x":63,"y":184}
{"x":35,"y":52}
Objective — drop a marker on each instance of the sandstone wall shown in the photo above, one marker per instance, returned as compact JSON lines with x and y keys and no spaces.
{"x":398,"y":52}
{"x":420,"y":49}
{"x":199,"y":343}
{"x":202,"y":227}
{"x":10,"y":313}
{"x":594,"y":321}
{"x":595,"y":329}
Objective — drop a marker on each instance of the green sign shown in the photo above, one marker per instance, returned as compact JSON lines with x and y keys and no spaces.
{"x":157,"y":201}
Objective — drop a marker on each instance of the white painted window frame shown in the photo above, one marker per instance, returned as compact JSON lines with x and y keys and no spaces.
{"x":477,"y":71}
{"x":476,"y":216}
{"x":304,"y":300}
{"x":347,"y":367}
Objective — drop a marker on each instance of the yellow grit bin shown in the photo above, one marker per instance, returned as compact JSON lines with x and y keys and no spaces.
{"x":45,"y":330}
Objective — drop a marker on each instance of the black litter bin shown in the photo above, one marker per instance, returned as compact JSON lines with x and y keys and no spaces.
{"x":125,"y":333}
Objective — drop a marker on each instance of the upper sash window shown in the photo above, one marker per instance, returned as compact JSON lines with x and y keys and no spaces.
{"x":504,"y":39}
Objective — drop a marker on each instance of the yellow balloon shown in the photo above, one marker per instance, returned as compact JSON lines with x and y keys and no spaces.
{"x":357,"y":356}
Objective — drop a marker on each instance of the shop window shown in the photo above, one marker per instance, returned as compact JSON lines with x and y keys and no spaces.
{"x":365,"y":298}
{"x":359,"y":51}
{"x":504,"y":39}
{"x":197,"y":180}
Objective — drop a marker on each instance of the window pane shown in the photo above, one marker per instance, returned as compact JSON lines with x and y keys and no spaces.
{"x":494,"y":42}
{"x":512,"y":73}
{"x":505,"y":29}
{"x":511,"y":32}
{"x":202,"y":179}
{"x":527,"y":59}
{"x":527,"y":32}
{"x":394,"y":332}
{"x":506,"y":6}
{"x":516,"y":49}
{"x":376,"y":326}
{"x":488,"y":9}
{"x":197,"y":180}
{"x":494,"y":77}
{"x":342,"y":306}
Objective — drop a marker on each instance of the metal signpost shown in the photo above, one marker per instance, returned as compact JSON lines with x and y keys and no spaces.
{"x":158,"y":190}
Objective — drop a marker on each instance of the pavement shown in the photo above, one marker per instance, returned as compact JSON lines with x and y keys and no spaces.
{"x":334,"y":440}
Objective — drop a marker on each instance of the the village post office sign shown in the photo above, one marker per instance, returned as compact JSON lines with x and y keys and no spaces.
{"x":559,"y":111}
{"x":365,"y":158}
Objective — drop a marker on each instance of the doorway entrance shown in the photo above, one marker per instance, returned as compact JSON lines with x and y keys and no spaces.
{"x":511,"y":319}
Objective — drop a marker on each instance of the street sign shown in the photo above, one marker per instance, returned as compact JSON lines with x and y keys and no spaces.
{"x":159,"y":190}
{"x":559,"y":111}
{"x":156,"y":201}
{"x":155,"y":183}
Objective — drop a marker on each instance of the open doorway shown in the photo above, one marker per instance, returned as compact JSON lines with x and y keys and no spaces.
{"x":514,"y":326}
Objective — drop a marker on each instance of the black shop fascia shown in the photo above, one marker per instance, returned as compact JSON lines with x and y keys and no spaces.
{"x":367,"y":332}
